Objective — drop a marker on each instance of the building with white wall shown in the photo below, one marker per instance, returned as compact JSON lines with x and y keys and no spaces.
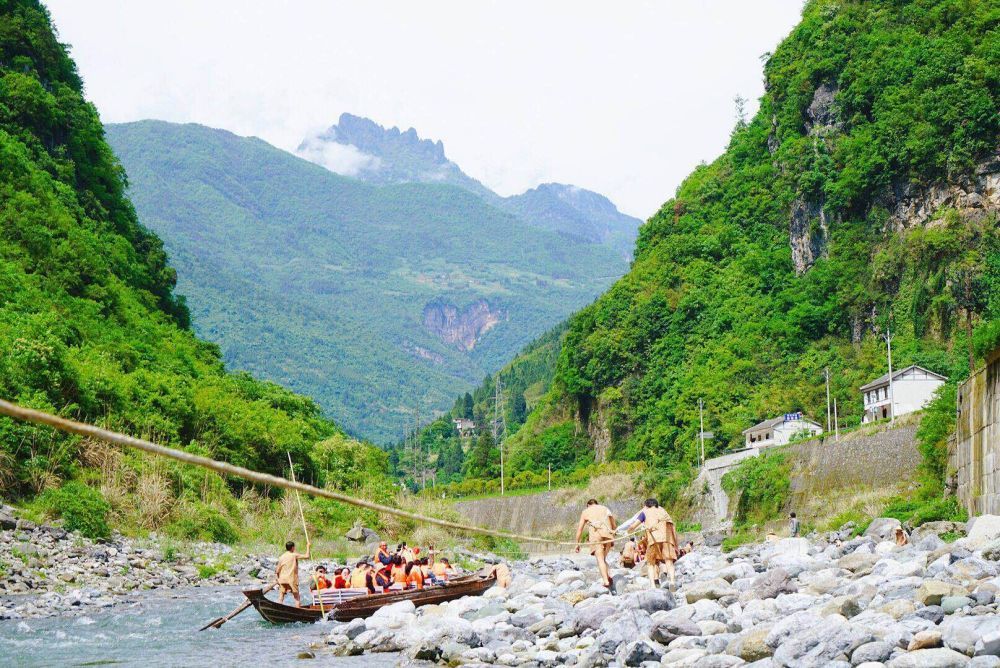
{"x":780,"y":430}
{"x":912,"y":388}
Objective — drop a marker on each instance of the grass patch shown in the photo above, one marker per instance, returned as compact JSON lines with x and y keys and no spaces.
{"x":950,"y":536}
{"x":916,"y":511}
{"x":741,"y":537}
{"x":764,"y":486}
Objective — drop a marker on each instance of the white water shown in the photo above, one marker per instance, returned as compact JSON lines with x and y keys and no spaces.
{"x":161,"y":629}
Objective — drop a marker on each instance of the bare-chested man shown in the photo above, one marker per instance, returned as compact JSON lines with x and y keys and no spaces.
{"x":601,"y":532}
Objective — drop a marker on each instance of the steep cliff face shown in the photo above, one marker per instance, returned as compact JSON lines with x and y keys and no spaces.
{"x":461,"y":327}
{"x":973,"y":196}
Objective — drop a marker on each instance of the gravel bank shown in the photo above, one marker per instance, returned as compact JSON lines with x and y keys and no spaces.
{"x":829,"y":600}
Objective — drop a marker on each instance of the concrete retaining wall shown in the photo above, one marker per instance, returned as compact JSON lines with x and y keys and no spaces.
{"x":974,"y":453}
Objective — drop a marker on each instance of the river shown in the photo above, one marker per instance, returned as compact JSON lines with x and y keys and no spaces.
{"x":161,"y":629}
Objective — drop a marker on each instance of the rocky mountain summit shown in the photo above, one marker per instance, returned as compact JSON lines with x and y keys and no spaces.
{"x":362,"y":148}
{"x":827,"y":600}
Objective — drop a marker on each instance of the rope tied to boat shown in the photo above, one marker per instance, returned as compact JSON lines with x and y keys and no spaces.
{"x":17,"y":412}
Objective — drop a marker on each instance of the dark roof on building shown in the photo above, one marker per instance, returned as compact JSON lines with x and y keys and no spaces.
{"x":884,"y":378}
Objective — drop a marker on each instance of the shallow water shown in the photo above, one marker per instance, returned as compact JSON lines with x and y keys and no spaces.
{"x":161,"y":629}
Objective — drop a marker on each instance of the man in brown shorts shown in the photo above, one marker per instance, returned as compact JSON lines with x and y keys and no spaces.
{"x":601,"y":532}
{"x":661,"y":537}
{"x":287,"y":572}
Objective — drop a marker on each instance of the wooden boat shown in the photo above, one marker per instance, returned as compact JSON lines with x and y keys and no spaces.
{"x":365,"y":606}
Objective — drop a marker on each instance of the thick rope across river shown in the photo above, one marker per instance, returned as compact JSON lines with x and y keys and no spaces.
{"x":82,"y":429}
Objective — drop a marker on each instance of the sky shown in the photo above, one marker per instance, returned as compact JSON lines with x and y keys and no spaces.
{"x":623,"y":98}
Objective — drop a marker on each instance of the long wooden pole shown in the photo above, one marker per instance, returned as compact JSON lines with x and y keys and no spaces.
{"x":298,"y":498}
{"x":223,"y":468}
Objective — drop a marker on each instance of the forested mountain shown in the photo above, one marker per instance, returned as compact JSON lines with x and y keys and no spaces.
{"x":360,"y":147}
{"x":90,"y":326}
{"x":862,"y":197}
{"x":380,"y":301}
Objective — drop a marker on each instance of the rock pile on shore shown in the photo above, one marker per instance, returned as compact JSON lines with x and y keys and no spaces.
{"x":832,"y":600}
{"x":46,"y":571}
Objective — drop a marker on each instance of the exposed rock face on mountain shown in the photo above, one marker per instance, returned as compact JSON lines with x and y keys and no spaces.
{"x":361,"y":148}
{"x":974,"y":197}
{"x":461,"y":328}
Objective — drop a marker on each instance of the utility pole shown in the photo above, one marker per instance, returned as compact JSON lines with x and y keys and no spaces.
{"x":892,"y":396}
{"x":499,"y":424}
{"x":836,"y":421}
{"x":826,"y":372}
{"x":701,"y":428}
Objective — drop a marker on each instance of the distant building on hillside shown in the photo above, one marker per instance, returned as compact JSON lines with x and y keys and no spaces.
{"x":780,"y":430}
{"x":912,"y":388}
{"x":465,"y":427}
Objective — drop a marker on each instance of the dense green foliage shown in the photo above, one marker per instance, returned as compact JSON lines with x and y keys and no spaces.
{"x":936,"y":425}
{"x":90,"y":327}
{"x":343,"y":290}
{"x":762,"y":485}
{"x":439,"y":448}
{"x":867,"y":103}
{"x":82,"y":509}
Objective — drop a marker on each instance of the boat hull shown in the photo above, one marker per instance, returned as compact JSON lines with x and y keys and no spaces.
{"x":365,"y":606}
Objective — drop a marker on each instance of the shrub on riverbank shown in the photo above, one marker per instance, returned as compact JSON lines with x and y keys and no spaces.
{"x":763,"y":484}
{"x":81,"y":508}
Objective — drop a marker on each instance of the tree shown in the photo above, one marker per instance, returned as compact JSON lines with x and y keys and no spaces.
{"x":468,"y":406}
{"x":482,"y":460}
{"x":520,"y":409}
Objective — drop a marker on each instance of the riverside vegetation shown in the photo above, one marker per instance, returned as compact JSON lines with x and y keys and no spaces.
{"x":91,"y":328}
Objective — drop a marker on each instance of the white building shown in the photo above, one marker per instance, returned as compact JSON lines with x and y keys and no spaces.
{"x":780,"y":430}
{"x":912,"y":388}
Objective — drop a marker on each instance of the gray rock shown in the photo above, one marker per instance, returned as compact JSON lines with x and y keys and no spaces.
{"x":592,"y":616}
{"x":878,"y":651}
{"x":882,"y":528}
{"x":962,"y":633}
{"x":637,"y":652}
{"x":666,"y":632}
{"x":951,"y":604}
{"x":940,"y":657}
{"x":772,"y":583}
{"x":713,"y":589}
{"x":988,"y":645}
{"x":621,"y":628}
{"x":822,"y":644}
{"x":651,"y":600}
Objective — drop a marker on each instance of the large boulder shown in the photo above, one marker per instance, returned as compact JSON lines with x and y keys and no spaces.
{"x":772,"y":583}
{"x":751,"y":645}
{"x":962,"y":633}
{"x":877,"y":651}
{"x":883,"y":528}
{"x":651,"y":600}
{"x":858,"y":562}
{"x":822,"y":644}
{"x":985,"y":529}
{"x":621,"y":628}
{"x":668,"y":630}
{"x":941,"y":657}
{"x":592,"y":616}
{"x":713,"y":589}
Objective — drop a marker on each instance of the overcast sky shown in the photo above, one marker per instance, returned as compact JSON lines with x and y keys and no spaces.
{"x":624,"y":98}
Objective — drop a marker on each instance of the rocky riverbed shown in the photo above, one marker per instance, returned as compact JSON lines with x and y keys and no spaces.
{"x":45,"y":571}
{"x":830,"y":600}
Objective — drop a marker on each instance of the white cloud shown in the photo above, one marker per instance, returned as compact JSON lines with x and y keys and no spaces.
{"x":623,"y":98}
{"x":344,"y":159}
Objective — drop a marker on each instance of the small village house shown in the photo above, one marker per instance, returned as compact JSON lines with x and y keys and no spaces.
{"x":780,"y":430}
{"x":465,"y":427}
{"x":912,"y":388}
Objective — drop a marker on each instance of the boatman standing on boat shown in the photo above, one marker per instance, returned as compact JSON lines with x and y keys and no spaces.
{"x":601,"y":532}
{"x":287,"y":572}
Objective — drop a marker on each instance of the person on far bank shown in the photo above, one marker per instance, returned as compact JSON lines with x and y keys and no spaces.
{"x":600,"y":523}
{"x":793,"y":525}
{"x":287,"y":572}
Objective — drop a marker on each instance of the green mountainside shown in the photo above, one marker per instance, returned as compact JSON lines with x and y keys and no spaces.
{"x":862,"y":196}
{"x":90,"y":328}
{"x":376,"y":300}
